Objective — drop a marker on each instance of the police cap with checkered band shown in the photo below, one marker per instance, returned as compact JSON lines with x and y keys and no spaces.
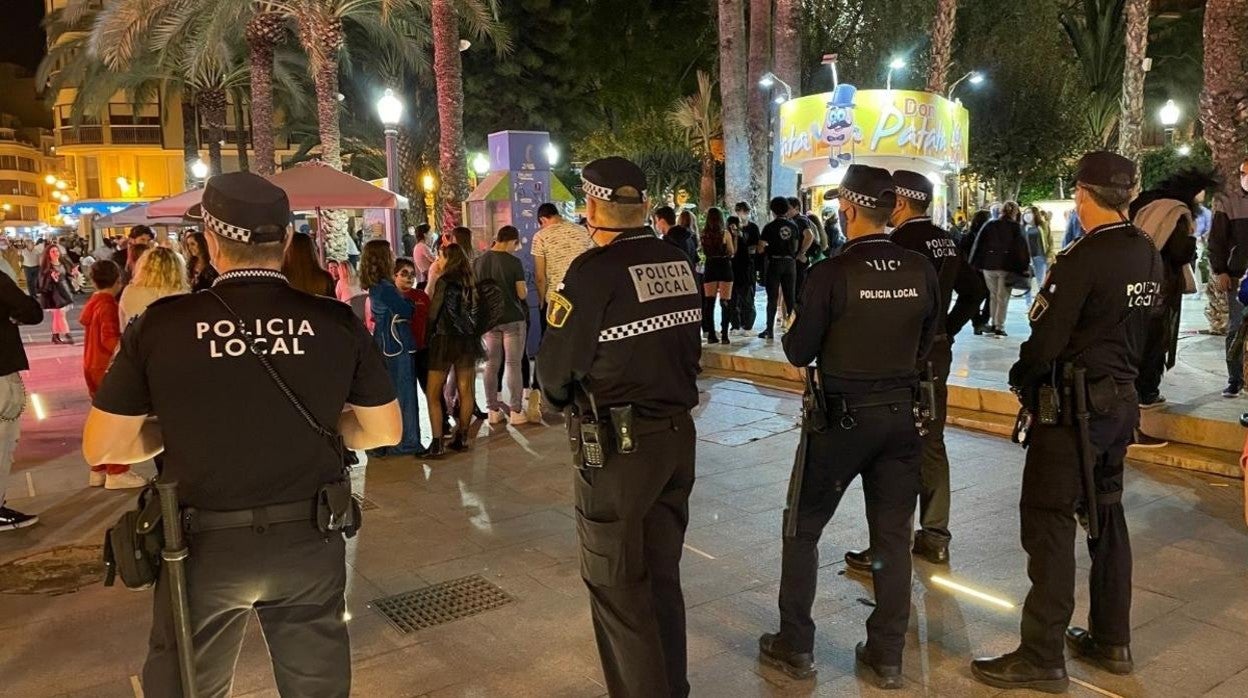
{"x":912,"y":185}
{"x":243,"y":207}
{"x":868,"y":187}
{"x":615,"y":179}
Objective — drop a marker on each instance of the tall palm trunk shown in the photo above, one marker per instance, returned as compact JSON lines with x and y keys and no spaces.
{"x":263,"y":32}
{"x":448,"y":78}
{"x":733,"y":91}
{"x":212,"y":105}
{"x":405,"y":144}
{"x":322,"y":37}
{"x":240,"y":132}
{"x":706,"y":187}
{"x":943,"y":27}
{"x":1224,"y":100}
{"x":1132,"y":121}
{"x":758,"y":105}
{"x":190,"y":137}
{"x":788,"y":62}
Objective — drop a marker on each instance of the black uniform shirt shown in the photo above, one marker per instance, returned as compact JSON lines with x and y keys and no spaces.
{"x":782,"y":238}
{"x":868,"y":314}
{"x":625,"y":323}
{"x":952,"y":269}
{"x":232,"y":439}
{"x":1094,"y":307}
{"x":743,"y":260}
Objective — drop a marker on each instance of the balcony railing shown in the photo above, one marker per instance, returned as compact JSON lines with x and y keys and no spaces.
{"x":81,"y":135}
{"x":135,"y":135}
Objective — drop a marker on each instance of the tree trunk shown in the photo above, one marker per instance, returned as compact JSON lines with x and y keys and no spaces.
{"x":788,"y":67}
{"x":190,"y":138}
{"x":240,"y":132}
{"x":409,"y":165}
{"x":706,"y":188}
{"x":733,"y":91}
{"x":758,"y":101}
{"x":1224,"y":101}
{"x":212,"y":105}
{"x":448,"y":78}
{"x":263,"y":31}
{"x":322,"y":37}
{"x":1131,"y":126}
{"x":943,"y":27}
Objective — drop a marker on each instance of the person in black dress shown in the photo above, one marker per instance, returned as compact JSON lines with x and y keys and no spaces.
{"x":719,"y":246}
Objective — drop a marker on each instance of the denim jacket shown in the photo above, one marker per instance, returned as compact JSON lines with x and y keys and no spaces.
{"x":392,"y":315}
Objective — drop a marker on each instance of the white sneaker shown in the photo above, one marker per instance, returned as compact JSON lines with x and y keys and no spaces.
{"x":97,"y":478}
{"x":518,"y":417}
{"x":497,"y":417}
{"x":124,"y":481}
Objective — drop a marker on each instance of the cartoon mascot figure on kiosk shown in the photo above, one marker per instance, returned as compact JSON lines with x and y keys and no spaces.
{"x":838,"y":125}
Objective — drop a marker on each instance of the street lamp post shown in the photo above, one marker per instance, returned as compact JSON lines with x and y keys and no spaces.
{"x":428,"y":183}
{"x":390,"y":109}
{"x":974,"y":76}
{"x":768,"y":82}
{"x":893,"y":65}
{"x":1169,"y":114}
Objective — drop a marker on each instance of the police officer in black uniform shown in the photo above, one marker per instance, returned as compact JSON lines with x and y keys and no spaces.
{"x":913,"y":229}
{"x":781,"y":242}
{"x":1087,"y":331}
{"x":256,"y":482}
{"x":867,"y":315}
{"x":622,"y":354}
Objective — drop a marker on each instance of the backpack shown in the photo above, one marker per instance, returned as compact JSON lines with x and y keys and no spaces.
{"x":488,"y":312}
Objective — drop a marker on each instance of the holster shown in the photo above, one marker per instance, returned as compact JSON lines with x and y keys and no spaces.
{"x":133,"y":545}
{"x":337,"y":511}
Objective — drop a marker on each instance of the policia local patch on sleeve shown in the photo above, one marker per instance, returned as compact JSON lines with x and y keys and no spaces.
{"x":559,"y":310}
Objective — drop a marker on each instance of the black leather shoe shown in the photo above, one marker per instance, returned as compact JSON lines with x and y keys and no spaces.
{"x":859,"y":560}
{"x":885,"y":676}
{"x":1015,"y":671}
{"x":931,"y":548}
{"x":437,"y":448}
{"x":1116,"y":659}
{"x":460,"y":442}
{"x":775,"y":652}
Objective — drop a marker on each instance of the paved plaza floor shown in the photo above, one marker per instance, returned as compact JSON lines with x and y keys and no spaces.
{"x":503,"y":511}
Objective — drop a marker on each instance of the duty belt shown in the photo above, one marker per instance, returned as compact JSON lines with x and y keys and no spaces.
{"x":259,"y":518}
{"x":841,"y":404}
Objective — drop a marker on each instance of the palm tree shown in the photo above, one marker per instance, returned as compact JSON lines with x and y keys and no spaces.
{"x":1132,"y":119}
{"x":787,"y":50}
{"x":943,"y":26}
{"x":265,"y":30}
{"x":1098,"y":39}
{"x":758,"y":107}
{"x":733,"y":93}
{"x":699,"y":117}
{"x":1224,"y":101}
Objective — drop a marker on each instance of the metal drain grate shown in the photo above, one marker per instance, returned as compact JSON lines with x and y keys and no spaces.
{"x":56,"y":571}
{"x":441,"y":603}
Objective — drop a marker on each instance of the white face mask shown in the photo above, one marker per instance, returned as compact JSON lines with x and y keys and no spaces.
{"x":1243,"y":182}
{"x":1028,"y":218}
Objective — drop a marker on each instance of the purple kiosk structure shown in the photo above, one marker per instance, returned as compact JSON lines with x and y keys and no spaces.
{"x":519,"y":181}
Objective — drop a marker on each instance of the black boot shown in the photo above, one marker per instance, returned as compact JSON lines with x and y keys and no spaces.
{"x":708,"y":320}
{"x":859,"y":560}
{"x":929,"y":547}
{"x":886,"y":676}
{"x":1013,"y":670}
{"x":723,"y":321}
{"x":460,"y":442}
{"x":1116,"y":659}
{"x":775,"y":652}
{"x":437,"y":448}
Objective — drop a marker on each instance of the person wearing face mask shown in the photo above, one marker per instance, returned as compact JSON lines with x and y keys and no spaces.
{"x":1036,"y":232}
{"x":1228,"y":258}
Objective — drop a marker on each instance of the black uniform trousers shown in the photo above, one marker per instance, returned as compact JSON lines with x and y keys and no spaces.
{"x":631,"y":517}
{"x":884,"y":448}
{"x":743,"y":312}
{"x":1052,"y":490}
{"x":295,"y":579}
{"x":781,"y":279}
{"x":1162,"y":331}
{"x":934,"y":492}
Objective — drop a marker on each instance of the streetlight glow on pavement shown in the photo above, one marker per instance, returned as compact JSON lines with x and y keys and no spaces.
{"x":954,"y":586}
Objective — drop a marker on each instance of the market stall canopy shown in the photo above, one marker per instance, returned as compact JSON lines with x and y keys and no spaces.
{"x":313,"y":186}
{"x":175,"y":206}
{"x":497,"y":187}
{"x":135,"y":215}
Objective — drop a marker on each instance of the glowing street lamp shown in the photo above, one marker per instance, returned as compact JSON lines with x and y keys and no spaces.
{"x":552,"y":154}
{"x":974,"y":76}
{"x":390,"y":110}
{"x":199,"y":169}
{"x":481,"y":164}
{"x":429,"y":184}
{"x":49,"y":179}
{"x":62,"y":184}
{"x":898,"y":63}
{"x":770,"y":80}
{"x":1169,"y":114}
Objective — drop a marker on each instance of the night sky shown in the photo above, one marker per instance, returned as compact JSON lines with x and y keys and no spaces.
{"x":21,"y":36}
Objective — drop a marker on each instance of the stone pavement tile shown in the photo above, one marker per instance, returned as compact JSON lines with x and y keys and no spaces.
{"x":764,"y":399}
{"x":744,"y":479}
{"x":706,"y":580}
{"x":769,"y":497}
{"x":1182,"y":574}
{"x":717,"y":416}
{"x":519,"y":529}
{"x":731,"y":435}
{"x":118,"y":688}
{"x":461,"y":650}
{"x":1224,"y":605}
{"x":1234,"y":687}
{"x":548,"y":677}
{"x":1188,"y":654}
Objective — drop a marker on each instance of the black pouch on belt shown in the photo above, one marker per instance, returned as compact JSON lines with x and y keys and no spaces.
{"x":337,"y":511}
{"x":132,"y":546}
{"x":622,"y":426}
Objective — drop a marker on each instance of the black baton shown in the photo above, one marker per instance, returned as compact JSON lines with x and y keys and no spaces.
{"x":174,"y":556}
{"x":1087,"y":462}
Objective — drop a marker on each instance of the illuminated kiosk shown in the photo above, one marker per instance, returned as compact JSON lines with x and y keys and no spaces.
{"x":820,"y":135}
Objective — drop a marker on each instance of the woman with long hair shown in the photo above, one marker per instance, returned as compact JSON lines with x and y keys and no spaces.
{"x":55,"y":294}
{"x":391,"y":316}
{"x":719,"y":246}
{"x":454,"y":343}
{"x":158,"y":273}
{"x":302,"y":269}
{"x":688,"y":222}
{"x":199,"y":270}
